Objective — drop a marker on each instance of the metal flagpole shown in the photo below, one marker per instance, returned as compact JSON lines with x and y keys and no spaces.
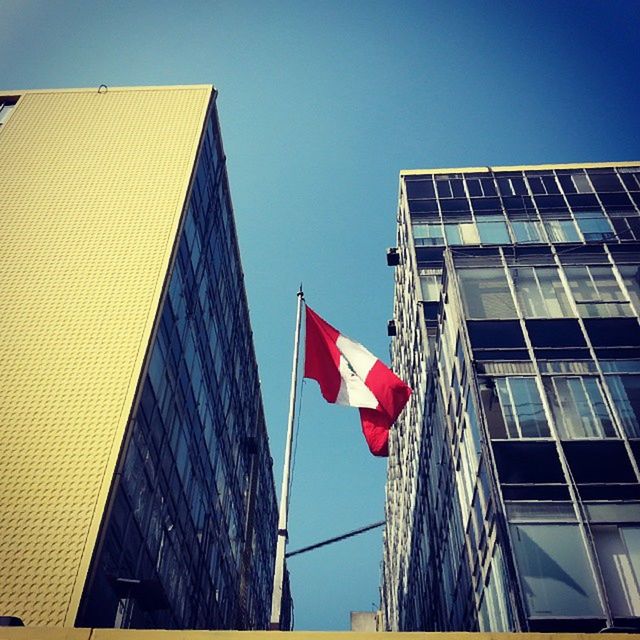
{"x":279,"y":573}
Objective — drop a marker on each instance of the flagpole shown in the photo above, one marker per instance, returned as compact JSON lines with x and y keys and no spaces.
{"x":279,"y":572}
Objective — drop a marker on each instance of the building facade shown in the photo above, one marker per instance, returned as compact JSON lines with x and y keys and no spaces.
{"x":513,"y":492}
{"x":137,"y":487}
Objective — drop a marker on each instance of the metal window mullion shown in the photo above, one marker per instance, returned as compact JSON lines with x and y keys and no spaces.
{"x":570,"y":208}
{"x":626,"y":190}
{"x":582,"y":513}
{"x":590,"y":403}
{"x":540,"y":292}
{"x":617,"y":420}
{"x":571,"y":484}
{"x":544,"y":236}
{"x":621,"y":283}
{"x":546,"y":407}
{"x":514,"y":413}
{"x":502,"y":534}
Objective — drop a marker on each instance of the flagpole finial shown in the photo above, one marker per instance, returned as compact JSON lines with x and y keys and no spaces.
{"x":300,"y":293}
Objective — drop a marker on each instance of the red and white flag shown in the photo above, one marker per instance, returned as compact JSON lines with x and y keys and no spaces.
{"x":348,"y":374}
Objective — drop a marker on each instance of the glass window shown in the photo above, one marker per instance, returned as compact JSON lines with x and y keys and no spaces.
{"x":444,"y":188}
{"x":481,"y":187}
{"x":605,"y":181}
{"x":625,"y":392}
{"x":430,"y":285}
{"x":594,"y":225}
{"x":630,"y":178}
{"x":582,"y":183}
{"x":485,"y":293}
{"x":631,"y":276}
{"x":578,"y":407}
{"x":493,"y":230}
{"x":6,"y":107}
{"x":469,"y":233}
{"x":555,"y":571}
{"x":419,"y":189}
{"x":522,"y":408}
{"x":452,"y":233}
{"x":494,"y":609}
{"x":618,"y":550}
{"x":428,"y":234}
{"x":527,"y":231}
{"x":597,"y":292}
{"x":543,"y":185}
{"x":492,"y":409}
{"x":540,"y":292}
{"x":561,"y":231}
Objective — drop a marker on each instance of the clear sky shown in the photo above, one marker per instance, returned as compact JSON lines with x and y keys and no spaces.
{"x":321,"y":105}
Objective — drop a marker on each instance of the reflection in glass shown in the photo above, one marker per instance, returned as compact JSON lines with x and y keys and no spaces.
{"x":597,"y":292}
{"x":562,"y":231}
{"x":485,"y":293}
{"x":522,"y":408}
{"x":428,"y":234}
{"x":430,"y":286}
{"x":452,"y":232}
{"x":469,"y":233}
{"x":493,"y":230}
{"x":557,"y":579}
{"x":618,"y":550}
{"x":527,"y":231}
{"x":578,"y":407}
{"x":631,"y":276}
{"x":625,"y":392}
{"x":540,"y":292}
{"x":594,"y":225}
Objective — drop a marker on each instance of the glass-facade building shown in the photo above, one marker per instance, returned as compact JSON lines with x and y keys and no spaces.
{"x":513,"y":490}
{"x":195,"y":491}
{"x":159,"y":509}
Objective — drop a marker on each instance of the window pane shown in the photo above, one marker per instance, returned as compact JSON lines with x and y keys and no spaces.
{"x":553,"y":293}
{"x":631,"y":537}
{"x":606,"y":284}
{"x":428,"y":234}
{"x":452,"y":232}
{"x":555,"y":569}
{"x":492,"y":409}
{"x":631,"y":277}
{"x":578,"y":407}
{"x":625,"y":391}
{"x":582,"y":183}
{"x":598,"y":407}
{"x":540,"y":292}
{"x":430,"y":288}
{"x":528,"y":292}
{"x":507,"y":407}
{"x":597,"y":292}
{"x":493,"y":231}
{"x":527,"y":231}
{"x":562,"y":231}
{"x":486,"y":294}
{"x":443,"y":187}
{"x":528,"y":407}
{"x":618,"y":571}
{"x":594,"y":226}
{"x":5,"y":112}
{"x":469,"y":233}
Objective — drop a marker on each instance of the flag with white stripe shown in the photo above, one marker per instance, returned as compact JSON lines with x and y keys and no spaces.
{"x":348,"y":374}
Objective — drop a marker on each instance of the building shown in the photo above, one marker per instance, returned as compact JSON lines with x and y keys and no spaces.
{"x":513,"y":495}
{"x":136,"y":487}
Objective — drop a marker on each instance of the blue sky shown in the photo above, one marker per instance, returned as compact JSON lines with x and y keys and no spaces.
{"x":321,"y":105}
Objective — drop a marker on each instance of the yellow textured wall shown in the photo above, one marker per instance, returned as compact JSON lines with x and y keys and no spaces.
{"x":91,"y":190}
